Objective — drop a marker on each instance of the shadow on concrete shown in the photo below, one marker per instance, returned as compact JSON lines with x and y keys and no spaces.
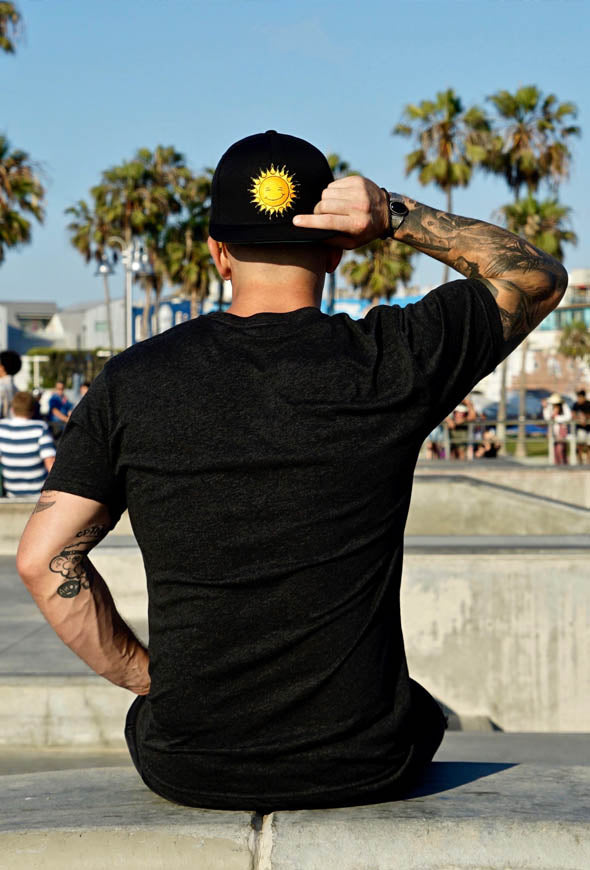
{"x":445,"y":775}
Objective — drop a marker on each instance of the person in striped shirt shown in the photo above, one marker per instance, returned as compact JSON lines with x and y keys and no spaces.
{"x":27,"y":451}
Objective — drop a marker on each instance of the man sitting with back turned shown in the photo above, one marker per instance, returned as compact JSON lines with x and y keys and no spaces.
{"x":270,"y":509}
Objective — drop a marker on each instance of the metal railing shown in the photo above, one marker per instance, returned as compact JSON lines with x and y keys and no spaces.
{"x":475,"y":430}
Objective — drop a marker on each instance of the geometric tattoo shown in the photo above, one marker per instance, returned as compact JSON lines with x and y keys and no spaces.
{"x":73,"y":564}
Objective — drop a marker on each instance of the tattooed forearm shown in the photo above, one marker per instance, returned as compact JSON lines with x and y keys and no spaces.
{"x":526,"y":282}
{"x":73,"y":564}
{"x":46,"y":500}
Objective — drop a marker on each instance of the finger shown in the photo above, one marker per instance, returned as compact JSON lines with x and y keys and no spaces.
{"x":333,"y":222}
{"x":348,"y":181}
{"x":334,"y":206}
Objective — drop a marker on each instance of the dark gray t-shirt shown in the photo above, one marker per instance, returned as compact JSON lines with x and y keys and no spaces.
{"x":267,"y":466}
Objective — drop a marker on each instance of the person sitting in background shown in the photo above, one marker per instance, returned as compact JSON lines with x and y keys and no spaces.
{"x":581,"y":409}
{"x":10,"y":365}
{"x":556,"y":410}
{"x":463,"y":414}
{"x":27,"y":451}
{"x":488,"y":448}
{"x":60,"y":409}
{"x":434,"y":443}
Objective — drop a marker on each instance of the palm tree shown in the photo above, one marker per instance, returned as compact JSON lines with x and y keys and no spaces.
{"x":136,"y":199}
{"x":450,"y":142}
{"x":574,"y":341}
{"x":378,"y":268}
{"x":21,"y":195}
{"x":188,"y":262}
{"x":544,"y":223}
{"x":530,"y":141}
{"x":529,"y":146}
{"x":88,"y":235}
{"x":10,"y":26}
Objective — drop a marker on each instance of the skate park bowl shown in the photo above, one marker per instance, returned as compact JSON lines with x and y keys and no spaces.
{"x":496,"y":614}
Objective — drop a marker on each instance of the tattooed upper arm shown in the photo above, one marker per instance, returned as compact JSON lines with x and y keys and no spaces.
{"x":46,"y":501}
{"x":61,"y":531}
{"x":526,"y":282}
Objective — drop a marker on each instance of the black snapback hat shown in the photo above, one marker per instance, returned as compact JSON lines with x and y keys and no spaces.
{"x":260,"y":183}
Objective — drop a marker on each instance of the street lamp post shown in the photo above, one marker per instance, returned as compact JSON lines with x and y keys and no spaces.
{"x":135,"y":261}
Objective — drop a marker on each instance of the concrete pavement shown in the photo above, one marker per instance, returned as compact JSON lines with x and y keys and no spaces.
{"x":475,"y":816}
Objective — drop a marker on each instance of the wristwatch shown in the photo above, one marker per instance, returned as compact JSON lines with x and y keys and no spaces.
{"x":397,"y":211}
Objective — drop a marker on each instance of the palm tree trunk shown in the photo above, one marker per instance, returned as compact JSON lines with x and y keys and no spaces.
{"x":146,"y":313}
{"x":194,"y":301}
{"x":445,"y":277}
{"x":520,"y":452}
{"x":501,"y":427}
{"x":107,"y":300}
{"x":157,"y":294}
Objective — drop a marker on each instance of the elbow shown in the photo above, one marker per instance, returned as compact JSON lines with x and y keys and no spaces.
{"x":560,"y":281}
{"x":28,"y":566}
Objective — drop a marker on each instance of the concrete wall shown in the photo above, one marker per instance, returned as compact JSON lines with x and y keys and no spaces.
{"x":570,"y":484}
{"x":502,"y":635}
{"x":470,"y":505}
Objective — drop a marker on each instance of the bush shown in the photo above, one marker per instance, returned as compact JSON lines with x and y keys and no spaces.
{"x":63,"y":364}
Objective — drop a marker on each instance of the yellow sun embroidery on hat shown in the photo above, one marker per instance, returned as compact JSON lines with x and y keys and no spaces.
{"x":274,"y":190}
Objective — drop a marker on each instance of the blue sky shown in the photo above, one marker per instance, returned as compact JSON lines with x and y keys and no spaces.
{"x":93,"y":81}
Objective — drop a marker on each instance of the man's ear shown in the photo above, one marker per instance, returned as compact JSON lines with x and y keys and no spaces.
{"x":333,"y":258}
{"x":219,"y":253}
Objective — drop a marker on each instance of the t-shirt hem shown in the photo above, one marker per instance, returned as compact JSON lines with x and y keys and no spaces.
{"x":349,"y":795}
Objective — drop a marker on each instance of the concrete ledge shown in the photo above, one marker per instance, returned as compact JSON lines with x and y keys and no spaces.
{"x":107,"y":818}
{"x":484,"y":816}
{"x":478,"y":816}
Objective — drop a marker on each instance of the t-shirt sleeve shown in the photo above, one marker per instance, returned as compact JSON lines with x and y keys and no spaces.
{"x":453,"y":337}
{"x":84,"y":464}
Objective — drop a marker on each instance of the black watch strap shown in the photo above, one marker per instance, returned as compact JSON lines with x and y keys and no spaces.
{"x":397,"y":211}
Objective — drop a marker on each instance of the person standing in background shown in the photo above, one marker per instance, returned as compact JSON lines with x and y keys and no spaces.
{"x":60,"y":409}
{"x":10,"y":365}
{"x":27,"y":451}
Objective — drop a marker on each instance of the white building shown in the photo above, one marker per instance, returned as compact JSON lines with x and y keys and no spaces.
{"x":84,"y":326}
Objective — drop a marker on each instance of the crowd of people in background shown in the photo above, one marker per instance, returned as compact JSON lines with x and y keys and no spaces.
{"x":469,"y":435}
{"x":31,"y":424}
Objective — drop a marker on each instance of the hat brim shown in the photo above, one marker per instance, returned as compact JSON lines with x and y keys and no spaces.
{"x":268,"y":234}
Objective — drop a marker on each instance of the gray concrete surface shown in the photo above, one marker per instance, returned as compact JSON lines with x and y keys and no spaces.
{"x":569,"y":483}
{"x":447,"y":504}
{"x":107,"y":818}
{"x":484,"y":816}
{"x":477,"y":816}
{"x":502,"y":635}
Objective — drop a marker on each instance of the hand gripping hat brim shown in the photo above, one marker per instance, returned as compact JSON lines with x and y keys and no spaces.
{"x":261,"y":183}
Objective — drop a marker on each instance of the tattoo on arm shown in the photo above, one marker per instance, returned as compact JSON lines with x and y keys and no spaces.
{"x":46,"y":501}
{"x":72,"y":562}
{"x":525,"y":281}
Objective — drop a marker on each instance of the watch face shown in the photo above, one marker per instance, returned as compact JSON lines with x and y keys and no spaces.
{"x":397,"y":208}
